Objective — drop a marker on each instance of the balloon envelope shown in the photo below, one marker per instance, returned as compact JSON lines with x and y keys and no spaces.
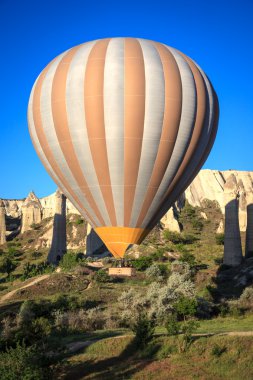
{"x":122,"y":125}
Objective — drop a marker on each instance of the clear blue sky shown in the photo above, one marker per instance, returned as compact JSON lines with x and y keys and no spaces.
{"x":217,"y":34}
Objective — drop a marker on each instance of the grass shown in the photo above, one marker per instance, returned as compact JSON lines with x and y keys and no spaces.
{"x":118,"y":358}
{"x":221,"y":325}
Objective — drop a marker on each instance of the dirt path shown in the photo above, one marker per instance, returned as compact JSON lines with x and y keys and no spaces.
{"x":12,"y":292}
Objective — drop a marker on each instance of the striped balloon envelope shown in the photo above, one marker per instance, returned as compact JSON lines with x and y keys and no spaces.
{"x":122,"y":125}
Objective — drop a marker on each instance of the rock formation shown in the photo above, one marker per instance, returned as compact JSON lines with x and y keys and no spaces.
{"x":232,"y":238}
{"x":249,"y":231}
{"x":170,"y":221}
{"x":209,"y":184}
{"x":2,"y":223}
{"x":59,"y":243}
{"x":31,"y":212}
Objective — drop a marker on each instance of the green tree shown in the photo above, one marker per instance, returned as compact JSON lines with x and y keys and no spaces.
{"x":144,"y":329}
{"x":102,"y":276}
{"x":7,"y":265}
{"x":185,"y":307}
{"x":23,"y":363}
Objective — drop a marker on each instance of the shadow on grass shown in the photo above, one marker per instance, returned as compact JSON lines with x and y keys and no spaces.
{"x":118,"y":367}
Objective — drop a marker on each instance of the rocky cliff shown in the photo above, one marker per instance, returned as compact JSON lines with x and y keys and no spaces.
{"x":209,"y":184}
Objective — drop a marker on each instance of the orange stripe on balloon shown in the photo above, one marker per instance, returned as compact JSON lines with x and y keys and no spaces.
{"x":43,"y":139}
{"x":59,"y":111}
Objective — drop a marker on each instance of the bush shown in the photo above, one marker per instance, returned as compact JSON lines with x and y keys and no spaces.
{"x":7,"y":265}
{"x":187,"y":329}
{"x":172,"y":325}
{"x":31,"y":270}
{"x":179,"y":238}
{"x":246,"y":298}
{"x":35,"y":226}
{"x":79,"y":221}
{"x":219,"y":239}
{"x":188,"y":258}
{"x":154,"y":272}
{"x":22,"y":363}
{"x":185,"y":307}
{"x":142,"y":263}
{"x":190,"y":214}
{"x":144,"y":329}
{"x":36,"y":255}
{"x":70,"y":260}
{"x":101,"y":276}
{"x":174,"y":237}
{"x":218,"y":350}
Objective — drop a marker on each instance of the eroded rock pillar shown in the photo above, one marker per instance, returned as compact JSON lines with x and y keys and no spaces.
{"x":2,"y":223}
{"x":232,"y":239}
{"x":59,"y":239}
{"x":249,"y":230}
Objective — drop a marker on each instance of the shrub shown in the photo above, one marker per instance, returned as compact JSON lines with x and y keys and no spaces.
{"x":31,"y":270}
{"x":185,"y":307}
{"x":35,"y":226}
{"x":101,"y":276}
{"x":153,"y":272}
{"x":26,"y":312}
{"x":189,"y":258}
{"x":234,"y":309}
{"x":187,"y":329}
{"x":144,"y":329}
{"x":165,"y":351}
{"x":142,"y":263}
{"x":219,"y":239}
{"x":174,"y":237}
{"x":246,"y":297}
{"x":36,"y":254}
{"x":23,"y":363}
{"x":218,"y":350}
{"x":79,"y":221}
{"x":7,"y":265}
{"x":172,"y":325}
{"x":41,"y":329}
{"x":190,"y":214}
{"x":70,"y":260}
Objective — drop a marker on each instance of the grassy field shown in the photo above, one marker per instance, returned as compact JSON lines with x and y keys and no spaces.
{"x":209,"y":358}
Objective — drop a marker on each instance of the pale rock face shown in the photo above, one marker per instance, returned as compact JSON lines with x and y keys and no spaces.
{"x":220,"y":228}
{"x":48,"y":206}
{"x":2,"y":223}
{"x":169,"y":221}
{"x":209,"y":184}
{"x":31,"y":212}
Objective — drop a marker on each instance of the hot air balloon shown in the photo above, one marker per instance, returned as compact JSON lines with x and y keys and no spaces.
{"x":122,"y":125}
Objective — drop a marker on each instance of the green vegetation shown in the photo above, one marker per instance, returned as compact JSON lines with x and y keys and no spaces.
{"x":101,"y":276}
{"x":70,"y":260}
{"x":220,"y":239}
{"x":31,"y":270}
